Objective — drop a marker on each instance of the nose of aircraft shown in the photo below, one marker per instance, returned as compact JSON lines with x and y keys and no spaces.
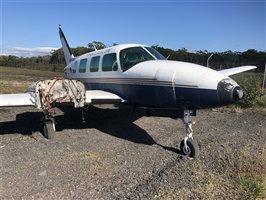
{"x":237,"y":93}
{"x":229,"y":91}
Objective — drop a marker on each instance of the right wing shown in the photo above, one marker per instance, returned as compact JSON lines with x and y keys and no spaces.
{"x":21,"y":99}
{"x":236,"y":70}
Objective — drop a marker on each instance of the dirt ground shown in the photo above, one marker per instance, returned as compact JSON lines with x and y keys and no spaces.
{"x":121,"y":154}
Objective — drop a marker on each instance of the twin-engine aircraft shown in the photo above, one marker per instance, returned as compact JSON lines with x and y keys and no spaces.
{"x":136,"y":75}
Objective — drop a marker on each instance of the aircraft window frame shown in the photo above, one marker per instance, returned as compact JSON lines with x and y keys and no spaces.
{"x":109,"y":62}
{"x":83,"y":65}
{"x":94,"y":64}
{"x":155,"y":53}
{"x":126,"y":62}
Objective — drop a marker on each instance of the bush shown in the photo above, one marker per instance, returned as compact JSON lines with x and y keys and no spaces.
{"x":253,"y":95}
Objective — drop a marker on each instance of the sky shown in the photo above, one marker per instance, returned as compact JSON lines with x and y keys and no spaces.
{"x":30,"y":27}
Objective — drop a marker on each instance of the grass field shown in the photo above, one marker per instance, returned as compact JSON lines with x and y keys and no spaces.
{"x":16,"y":80}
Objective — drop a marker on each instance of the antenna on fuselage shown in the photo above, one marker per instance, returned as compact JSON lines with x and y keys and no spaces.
{"x":209,"y":60}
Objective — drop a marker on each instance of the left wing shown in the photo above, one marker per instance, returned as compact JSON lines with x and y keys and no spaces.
{"x":101,"y":97}
{"x":21,"y":99}
{"x":28,"y":99}
{"x":236,"y":70}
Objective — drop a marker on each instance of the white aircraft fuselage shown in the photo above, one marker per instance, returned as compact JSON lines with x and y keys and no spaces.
{"x":141,"y":76}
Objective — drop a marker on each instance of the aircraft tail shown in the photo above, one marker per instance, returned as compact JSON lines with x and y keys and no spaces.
{"x":67,"y":52}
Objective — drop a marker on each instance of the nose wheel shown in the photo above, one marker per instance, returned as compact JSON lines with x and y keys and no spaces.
{"x":188,"y":145}
{"x":190,"y":149}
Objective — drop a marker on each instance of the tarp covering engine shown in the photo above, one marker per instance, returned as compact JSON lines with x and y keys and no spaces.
{"x":58,"y":90}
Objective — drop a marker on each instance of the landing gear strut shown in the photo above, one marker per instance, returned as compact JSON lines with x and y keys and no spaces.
{"x":48,"y":125}
{"x":189,"y":146}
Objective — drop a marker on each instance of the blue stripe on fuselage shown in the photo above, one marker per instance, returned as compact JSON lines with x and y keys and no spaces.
{"x":158,"y":96}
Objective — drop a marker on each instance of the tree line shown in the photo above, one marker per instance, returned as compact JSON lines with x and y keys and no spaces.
{"x":219,"y":60}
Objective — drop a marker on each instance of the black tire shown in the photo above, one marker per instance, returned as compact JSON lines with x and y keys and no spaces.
{"x":48,"y":130}
{"x":192,"y":150}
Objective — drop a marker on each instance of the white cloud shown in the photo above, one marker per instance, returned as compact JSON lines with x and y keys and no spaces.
{"x":28,"y":52}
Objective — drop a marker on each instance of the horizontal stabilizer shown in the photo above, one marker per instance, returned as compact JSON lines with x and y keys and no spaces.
{"x":101,"y":97}
{"x":21,"y":99}
{"x":236,"y":70}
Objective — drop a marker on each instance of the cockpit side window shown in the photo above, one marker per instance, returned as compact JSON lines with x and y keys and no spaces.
{"x":132,"y":56}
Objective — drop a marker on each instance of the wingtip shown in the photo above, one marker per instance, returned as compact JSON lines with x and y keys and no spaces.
{"x":250,"y":67}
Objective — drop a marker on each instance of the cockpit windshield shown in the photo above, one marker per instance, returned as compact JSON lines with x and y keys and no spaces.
{"x":132,"y":56}
{"x":155,"y":53}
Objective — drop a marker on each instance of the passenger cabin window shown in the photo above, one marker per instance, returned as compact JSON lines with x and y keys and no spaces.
{"x":82,"y":65}
{"x":109,"y":62}
{"x":73,"y":67}
{"x":132,"y":56}
{"x":94,"y":65}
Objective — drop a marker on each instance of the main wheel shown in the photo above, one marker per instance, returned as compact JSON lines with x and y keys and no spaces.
{"x":192,"y":149}
{"x":48,"y":130}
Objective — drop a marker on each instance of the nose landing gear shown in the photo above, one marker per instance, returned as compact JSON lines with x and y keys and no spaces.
{"x":188,"y":145}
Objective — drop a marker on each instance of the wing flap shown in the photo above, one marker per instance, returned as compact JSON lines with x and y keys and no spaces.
{"x":236,"y":70}
{"x":20,"y":99}
{"x":101,"y":97}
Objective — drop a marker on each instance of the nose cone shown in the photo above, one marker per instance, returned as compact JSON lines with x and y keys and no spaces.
{"x":229,"y":91}
{"x":237,"y":93}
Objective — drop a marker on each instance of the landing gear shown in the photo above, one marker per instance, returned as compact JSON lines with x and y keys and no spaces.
{"x":48,"y":125}
{"x":189,"y":146}
{"x":191,"y":149}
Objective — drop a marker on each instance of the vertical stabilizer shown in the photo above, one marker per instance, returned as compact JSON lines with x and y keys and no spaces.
{"x":67,"y":52}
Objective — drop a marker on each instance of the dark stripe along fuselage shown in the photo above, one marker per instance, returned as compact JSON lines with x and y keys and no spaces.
{"x":156,"y":94}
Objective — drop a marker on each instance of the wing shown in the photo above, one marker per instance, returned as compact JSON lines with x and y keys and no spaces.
{"x":28,"y":99}
{"x":21,"y":99}
{"x":236,"y":70}
{"x":102,"y":97}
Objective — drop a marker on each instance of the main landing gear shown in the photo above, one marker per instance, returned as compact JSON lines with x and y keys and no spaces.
{"x":48,"y":125}
{"x":189,"y":146}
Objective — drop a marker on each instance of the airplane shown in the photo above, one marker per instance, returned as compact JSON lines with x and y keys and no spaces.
{"x":135,"y":75}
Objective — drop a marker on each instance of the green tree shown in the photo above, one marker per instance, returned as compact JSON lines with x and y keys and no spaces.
{"x":97,"y":45}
